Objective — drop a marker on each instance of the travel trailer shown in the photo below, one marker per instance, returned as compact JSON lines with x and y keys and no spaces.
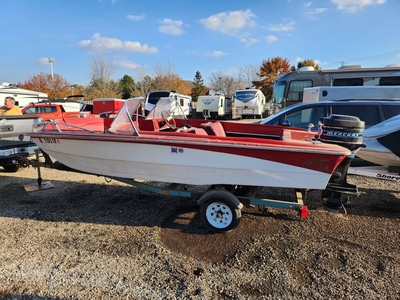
{"x":214,"y":107}
{"x":22,"y":96}
{"x":249,"y":103}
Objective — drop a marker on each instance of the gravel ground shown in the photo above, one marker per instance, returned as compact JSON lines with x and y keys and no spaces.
{"x":91,"y":239}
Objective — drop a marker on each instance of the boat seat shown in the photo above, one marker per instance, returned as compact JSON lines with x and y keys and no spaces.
{"x":214,"y":128}
{"x":195,"y":130}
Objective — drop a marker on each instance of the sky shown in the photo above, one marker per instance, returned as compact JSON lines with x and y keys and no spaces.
{"x":206,"y":36}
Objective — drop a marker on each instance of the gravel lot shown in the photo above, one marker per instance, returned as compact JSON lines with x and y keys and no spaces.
{"x":91,"y":239}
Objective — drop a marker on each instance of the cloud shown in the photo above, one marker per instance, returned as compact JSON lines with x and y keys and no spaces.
{"x":126,"y":63}
{"x":171,"y":27}
{"x":316,"y":11}
{"x":229,"y":22}
{"x":136,"y":18}
{"x":99,"y":44}
{"x":282,"y":26}
{"x":248,"y":40}
{"x":353,"y":6}
{"x":271,"y":39}
{"x":215,"y":53}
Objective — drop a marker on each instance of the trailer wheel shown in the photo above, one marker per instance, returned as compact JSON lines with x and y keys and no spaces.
{"x":12,"y":168}
{"x":220,"y":211}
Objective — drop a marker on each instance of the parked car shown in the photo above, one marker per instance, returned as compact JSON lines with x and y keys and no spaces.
{"x":49,"y":110}
{"x":307,"y":115}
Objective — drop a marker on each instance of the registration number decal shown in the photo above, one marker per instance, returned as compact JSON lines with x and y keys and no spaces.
{"x":49,"y":140}
{"x":7,"y":152}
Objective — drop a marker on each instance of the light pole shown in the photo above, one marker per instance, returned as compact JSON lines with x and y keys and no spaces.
{"x":51,"y":60}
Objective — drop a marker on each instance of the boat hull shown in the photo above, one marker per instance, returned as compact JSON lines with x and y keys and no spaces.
{"x":376,"y":153}
{"x":199,"y":161}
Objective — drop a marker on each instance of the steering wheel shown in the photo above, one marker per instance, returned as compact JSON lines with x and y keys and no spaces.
{"x":166,"y":116}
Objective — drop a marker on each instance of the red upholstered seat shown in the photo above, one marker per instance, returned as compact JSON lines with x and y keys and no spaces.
{"x":196,"y":130}
{"x":214,"y":128}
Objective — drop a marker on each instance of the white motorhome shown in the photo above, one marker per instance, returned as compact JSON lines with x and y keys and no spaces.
{"x":249,"y":102}
{"x":326,"y":93}
{"x":22,"y":96}
{"x":184,"y":101}
{"x":214,"y":107}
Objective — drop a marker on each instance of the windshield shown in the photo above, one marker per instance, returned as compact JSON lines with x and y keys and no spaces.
{"x":129,"y":113}
{"x":129,"y":110}
{"x":278,"y":92}
{"x":245,"y":96}
{"x":153,"y":97}
{"x":280,"y":113}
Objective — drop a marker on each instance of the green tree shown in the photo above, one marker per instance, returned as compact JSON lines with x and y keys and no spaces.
{"x":306,"y":63}
{"x":270,"y":70}
{"x":144,"y":86}
{"x":127,"y":87}
{"x":199,"y":87}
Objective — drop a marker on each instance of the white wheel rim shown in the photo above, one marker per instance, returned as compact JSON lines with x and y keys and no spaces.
{"x":219,"y":215}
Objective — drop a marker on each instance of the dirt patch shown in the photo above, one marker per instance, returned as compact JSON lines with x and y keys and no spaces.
{"x":91,"y":239}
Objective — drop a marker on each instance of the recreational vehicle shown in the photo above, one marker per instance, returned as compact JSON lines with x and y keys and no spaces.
{"x":288,"y":88}
{"x":22,"y":96}
{"x":249,"y":103}
{"x":214,"y":107}
{"x":184,"y":101}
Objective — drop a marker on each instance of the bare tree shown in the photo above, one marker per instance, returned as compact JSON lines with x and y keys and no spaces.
{"x":165,"y":78}
{"x":223,"y":84}
{"x":249,"y":74}
{"x":100,"y":75}
{"x":143,"y":81}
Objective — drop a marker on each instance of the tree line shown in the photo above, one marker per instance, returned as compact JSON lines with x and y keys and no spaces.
{"x":101,"y":84}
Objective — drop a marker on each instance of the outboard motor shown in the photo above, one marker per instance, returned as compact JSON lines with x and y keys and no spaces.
{"x":346,"y":131}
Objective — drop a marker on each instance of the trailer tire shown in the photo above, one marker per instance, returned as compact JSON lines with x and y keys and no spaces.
{"x":220,"y":211}
{"x":11,"y":168}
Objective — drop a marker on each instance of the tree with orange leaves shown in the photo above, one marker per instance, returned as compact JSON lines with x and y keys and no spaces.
{"x":270,"y":70}
{"x":56,"y":87}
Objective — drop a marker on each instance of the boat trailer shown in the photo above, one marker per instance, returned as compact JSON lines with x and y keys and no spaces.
{"x":220,"y":205}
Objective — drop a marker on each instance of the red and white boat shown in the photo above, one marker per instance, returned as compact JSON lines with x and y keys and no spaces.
{"x":166,"y":148}
{"x":192,"y":151}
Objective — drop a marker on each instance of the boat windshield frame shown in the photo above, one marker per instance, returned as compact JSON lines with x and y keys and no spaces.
{"x":129,"y":110}
{"x":124,"y":122}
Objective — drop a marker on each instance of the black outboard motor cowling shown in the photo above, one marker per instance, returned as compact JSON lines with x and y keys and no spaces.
{"x":348,"y":132}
